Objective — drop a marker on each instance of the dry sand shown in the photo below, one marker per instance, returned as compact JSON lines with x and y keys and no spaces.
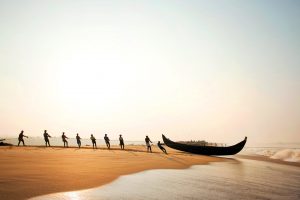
{"x":32,"y":171}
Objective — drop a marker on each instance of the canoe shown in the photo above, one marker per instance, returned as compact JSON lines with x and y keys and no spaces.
{"x":206,"y":150}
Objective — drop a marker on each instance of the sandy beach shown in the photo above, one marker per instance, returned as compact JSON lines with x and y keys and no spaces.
{"x":32,"y":171}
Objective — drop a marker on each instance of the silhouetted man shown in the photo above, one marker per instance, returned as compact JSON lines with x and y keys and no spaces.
{"x":93,"y":141}
{"x":46,"y":138}
{"x":161,"y":147}
{"x":78,"y":140}
{"x":121,"y":142}
{"x":107,"y":141}
{"x":21,"y":138}
{"x":64,"y":139}
{"x":147,"y":140}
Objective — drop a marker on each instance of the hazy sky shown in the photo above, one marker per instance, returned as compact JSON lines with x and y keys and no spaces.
{"x":214,"y":70}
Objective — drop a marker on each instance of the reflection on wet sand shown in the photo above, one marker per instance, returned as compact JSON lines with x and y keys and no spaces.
{"x":235,"y":179}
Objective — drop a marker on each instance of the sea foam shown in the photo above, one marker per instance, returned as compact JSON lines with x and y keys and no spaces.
{"x":290,"y":155}
{"x":285,"y":154}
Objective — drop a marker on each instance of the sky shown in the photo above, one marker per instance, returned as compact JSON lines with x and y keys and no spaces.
{"x":213,"y":70}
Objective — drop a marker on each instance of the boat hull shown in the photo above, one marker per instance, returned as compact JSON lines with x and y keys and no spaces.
{"x":205,"y":150}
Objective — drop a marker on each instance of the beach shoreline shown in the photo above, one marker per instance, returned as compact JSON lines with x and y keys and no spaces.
{"x":36,"y":170}
{"x":267,"y":159}
{"x":255,"y":180}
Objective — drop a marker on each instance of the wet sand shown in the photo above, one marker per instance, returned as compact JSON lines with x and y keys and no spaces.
{"x":32,"y":171}
{"x":235,"y":179}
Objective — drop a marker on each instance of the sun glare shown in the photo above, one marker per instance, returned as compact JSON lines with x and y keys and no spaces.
{"x":94,"y":83}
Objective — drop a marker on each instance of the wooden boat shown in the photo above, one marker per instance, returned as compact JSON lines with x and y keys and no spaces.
{"x":206,"y":150}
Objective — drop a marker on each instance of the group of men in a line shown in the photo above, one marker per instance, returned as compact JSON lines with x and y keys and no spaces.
{"x":78,"y":139}
{"x":93,"y":139}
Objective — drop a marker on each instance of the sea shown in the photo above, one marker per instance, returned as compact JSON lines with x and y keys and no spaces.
{"x":233,"y":179}
{"x":236,"y":178}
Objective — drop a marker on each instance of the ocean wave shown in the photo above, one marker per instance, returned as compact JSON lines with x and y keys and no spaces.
{"x":290,"y":155}
{"x":266,"y":152}
{"x":285,"y":154}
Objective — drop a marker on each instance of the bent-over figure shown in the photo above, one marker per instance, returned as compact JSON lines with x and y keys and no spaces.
{"x":161,"y":147}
